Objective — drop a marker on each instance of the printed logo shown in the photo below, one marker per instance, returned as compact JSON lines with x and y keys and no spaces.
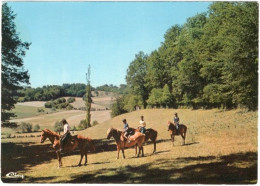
{"x":14,"y":175}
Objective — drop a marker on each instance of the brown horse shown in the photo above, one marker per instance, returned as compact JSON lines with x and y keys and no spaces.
{"x":136,"y":139}
{"x":173,"y":131}
{"x":152,"y":135}
{"x":76,"y":141}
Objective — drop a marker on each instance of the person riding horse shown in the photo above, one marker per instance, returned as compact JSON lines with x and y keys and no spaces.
{"x":66,"y":136}
{"x":142,"y":125}
{"x":176,"y":121}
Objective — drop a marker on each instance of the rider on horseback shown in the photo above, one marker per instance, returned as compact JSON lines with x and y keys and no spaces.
{"x":176,"y":121}
{"x":142,"y":125}
{"x":66,"y":134}
{"x":125,"y":129}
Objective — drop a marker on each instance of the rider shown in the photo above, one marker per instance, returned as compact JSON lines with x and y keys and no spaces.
{"x":142,"y":125}
{"x":176,"y":120}
{"x":66,"y":134}
{"x":126,"y":130}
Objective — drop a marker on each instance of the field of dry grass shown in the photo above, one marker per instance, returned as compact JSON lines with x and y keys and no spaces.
{"x":221,"y":147}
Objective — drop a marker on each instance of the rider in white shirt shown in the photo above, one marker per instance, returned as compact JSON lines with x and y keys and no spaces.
{"x":66,"y":135}
{"x":142,"y":125}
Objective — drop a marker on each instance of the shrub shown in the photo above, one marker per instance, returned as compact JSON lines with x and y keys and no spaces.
{"x":36,"y":128}
{"x":83,"y":125}
{"x":71,"y":100}
{"x":25,"y":127}
{"x":58,"y":127}
{"x":49,"y":104}
{"x":40,"y":110}
{"x":95,"y":122}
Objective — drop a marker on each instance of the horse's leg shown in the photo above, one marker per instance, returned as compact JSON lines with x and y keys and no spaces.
{"x":81,"y":156}
{"x":172,"y":140}
{"x":59,"y":158}
{"x":118,"y":150}
{"x":142,"y":151}
{"x":123,"y":151}
{"x":154,"y":146}
{"x":86,"y":157}
{"x":136,"y":150}
{"x":184,"y":136}
{"x":139,"y":148}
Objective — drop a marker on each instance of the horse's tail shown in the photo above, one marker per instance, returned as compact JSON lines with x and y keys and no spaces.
{"x":91,"y":144}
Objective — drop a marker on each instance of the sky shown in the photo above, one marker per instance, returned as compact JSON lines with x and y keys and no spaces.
{"x":67,"y":37}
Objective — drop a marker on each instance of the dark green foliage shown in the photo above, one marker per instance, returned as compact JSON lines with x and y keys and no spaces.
{"x":25,"y":127}
{"x":118,"y":107}
{"x":13,"y":75}
{"x":59,"y":103}
{"x":112,"y":88}
{"x":71,"y":100}
{"x":209,"y":62}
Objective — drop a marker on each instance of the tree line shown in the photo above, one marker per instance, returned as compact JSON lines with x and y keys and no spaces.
{"x":211,"y":61}
{"x":51,"y":92}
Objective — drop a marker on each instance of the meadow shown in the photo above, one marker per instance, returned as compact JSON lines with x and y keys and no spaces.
{"x":221,"y":148}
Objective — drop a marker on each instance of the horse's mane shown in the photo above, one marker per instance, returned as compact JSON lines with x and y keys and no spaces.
{"x":51,"y":132}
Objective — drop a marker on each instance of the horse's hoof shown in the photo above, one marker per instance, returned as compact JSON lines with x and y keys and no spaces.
{"x":79,"y":165}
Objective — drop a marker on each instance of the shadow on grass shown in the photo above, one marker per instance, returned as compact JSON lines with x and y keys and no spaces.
{"x":228,"y":169}
{"x":21,"y":156}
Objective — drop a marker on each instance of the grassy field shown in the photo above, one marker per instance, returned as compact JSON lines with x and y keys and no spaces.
{"x":221,"y":147}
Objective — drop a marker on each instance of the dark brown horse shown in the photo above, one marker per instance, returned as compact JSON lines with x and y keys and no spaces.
{"x":136,"y":139}
{"x":174,"y":132}
{"x":152,"y":135}
{"x":76,"y":141}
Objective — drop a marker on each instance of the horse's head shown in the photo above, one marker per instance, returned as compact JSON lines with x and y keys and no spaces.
{"x":170,"y":126}
{"x":44,"y":135}
{"x":109,"y":133}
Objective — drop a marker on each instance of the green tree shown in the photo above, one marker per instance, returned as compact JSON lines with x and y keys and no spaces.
{"x":88,"y":100}
{"x":135,"y":77}
{"x":155,"y":98}
{"x":13,"y":74}
{"x":118,"y":107}
{"x":58,"y":126}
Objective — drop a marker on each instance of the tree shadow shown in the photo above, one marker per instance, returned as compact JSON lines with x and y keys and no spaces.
{"x":21,"y":156}
{"x":206,"y":170}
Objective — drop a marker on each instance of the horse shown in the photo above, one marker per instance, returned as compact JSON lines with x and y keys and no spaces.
{"x":136,"y":139}
{"x":173,"y":131}
{"x":150,"y":134}
{"x":76,"y":141}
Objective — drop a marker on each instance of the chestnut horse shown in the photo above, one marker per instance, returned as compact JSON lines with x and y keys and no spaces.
{"x":136,"y":139}
{"x":76,"y":141}
{"x":174,"y":132}
{"x":150,"y":134}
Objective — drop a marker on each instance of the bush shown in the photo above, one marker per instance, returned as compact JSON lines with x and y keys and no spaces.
{"x":40,"y":110}
{"x":71,"y":100}
{"x":58,"y":127}
{"x":69,"y":107}
{"x":25,"y":127}
{"x":83,"y":125}
{"x":49,"y":104}
{"x":95,"y":122}
{"x":36,"y":128}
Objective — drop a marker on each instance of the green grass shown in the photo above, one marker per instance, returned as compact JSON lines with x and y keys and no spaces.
{"x":29,"y":111}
